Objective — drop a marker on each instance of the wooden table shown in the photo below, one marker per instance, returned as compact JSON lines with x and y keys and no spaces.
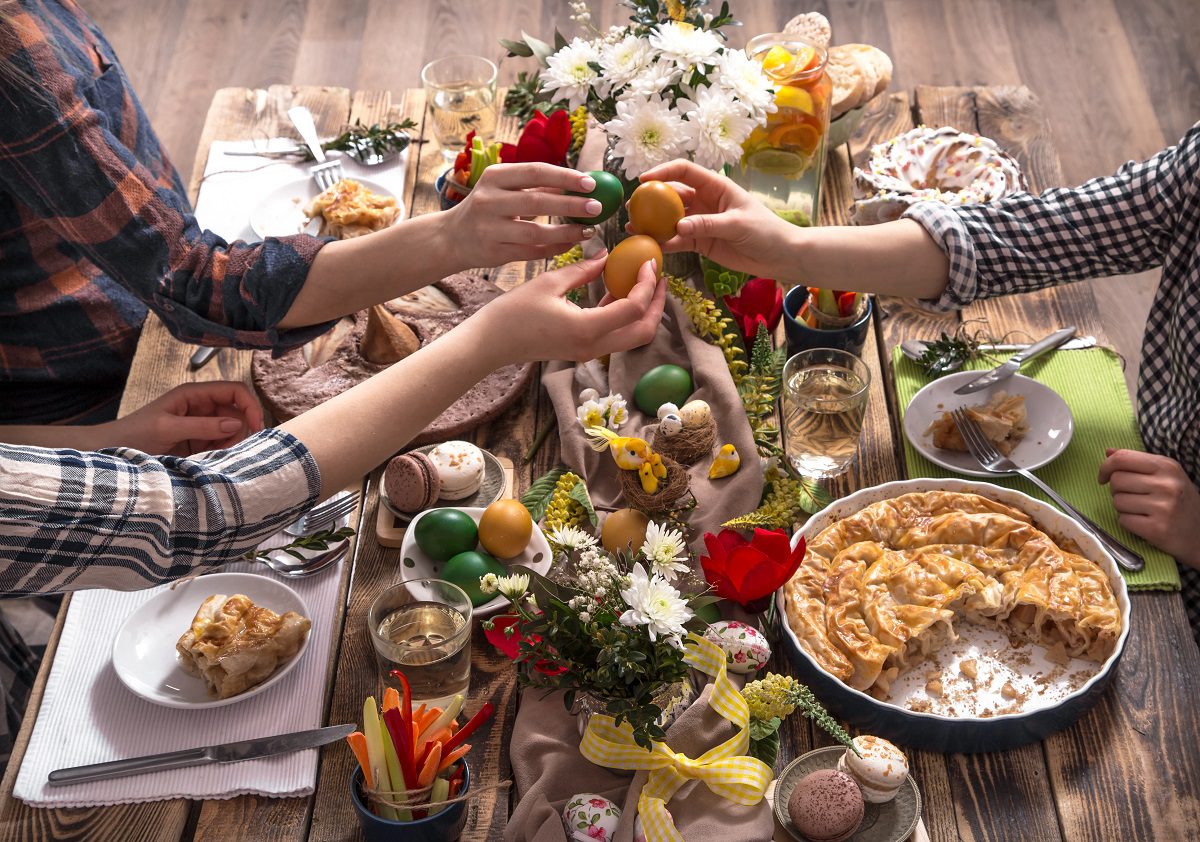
{"x":1130,"y":769}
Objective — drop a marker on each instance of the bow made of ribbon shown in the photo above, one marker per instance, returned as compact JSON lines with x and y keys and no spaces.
{"x":725,"y":769}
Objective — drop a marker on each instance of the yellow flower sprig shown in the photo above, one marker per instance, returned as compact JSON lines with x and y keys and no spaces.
{"x":711,"y":324}
{"x":563,"y":509}
{"x":785,"y":500}
{"x":579,"y":119}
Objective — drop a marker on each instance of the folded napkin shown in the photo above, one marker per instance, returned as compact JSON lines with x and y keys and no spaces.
{"x":234,"y":185}
{"x":1093,"y":385}
{"x":88,"y":716}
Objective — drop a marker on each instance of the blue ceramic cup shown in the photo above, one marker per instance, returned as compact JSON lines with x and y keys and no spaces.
{"x":445,"y":826}
{"x":801,"y":337}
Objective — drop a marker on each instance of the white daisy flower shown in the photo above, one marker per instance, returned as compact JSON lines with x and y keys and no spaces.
{"x":625,"y":59}
{"x":571,"y":538}
{"x":655,"y":604}
{"x":715,"y":127}
{"x":654,"y":79}
{"x":686,"y":45}
{"x":591,"y":414}
{"x":665,"y":550}
{"x":513,"y":585}
{"x":648,"y":132}
{"x":569,"y":73}
{"x":488,"y":582}
{"x":742,"y":76}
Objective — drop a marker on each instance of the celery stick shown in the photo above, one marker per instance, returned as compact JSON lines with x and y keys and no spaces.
{"x":375,"y":752}
{"x":441,"y":791}
{"x":451,"y":712}
{"x":393,"y":768}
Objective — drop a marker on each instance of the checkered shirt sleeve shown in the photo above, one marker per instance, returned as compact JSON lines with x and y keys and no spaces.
{"x":121,"y":519}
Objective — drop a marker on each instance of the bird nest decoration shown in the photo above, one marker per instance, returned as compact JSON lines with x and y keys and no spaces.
{"x":688,"y":445}
{"x":670,"y":489}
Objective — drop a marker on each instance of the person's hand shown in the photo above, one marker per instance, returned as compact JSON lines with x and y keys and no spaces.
{"x":724,"y":222}
{"x":535,"y":322}
{"x":189,"y":419}
{"x":1156,"y":500}
{"x":493,"y":225}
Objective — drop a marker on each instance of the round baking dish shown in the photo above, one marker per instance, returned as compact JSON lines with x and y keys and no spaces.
{"x":938,"y":732}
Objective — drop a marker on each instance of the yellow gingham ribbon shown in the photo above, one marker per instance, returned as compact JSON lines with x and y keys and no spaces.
{"x":724,"y":769}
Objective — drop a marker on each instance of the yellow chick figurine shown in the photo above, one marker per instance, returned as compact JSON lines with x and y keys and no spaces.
{"x":656,"y":465}
{"x":628,"y":452}
{"x":726,"y":462}
{"x":649,"y":480}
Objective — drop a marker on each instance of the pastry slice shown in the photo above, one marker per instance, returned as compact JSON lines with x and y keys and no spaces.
{"x":1003,"y":421}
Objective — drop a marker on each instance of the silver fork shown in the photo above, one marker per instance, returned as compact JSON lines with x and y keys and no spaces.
{"x":325,"y":173}
{"x":995,"y":462}
{"x":323,"y":515}
{"x":313,"y":564}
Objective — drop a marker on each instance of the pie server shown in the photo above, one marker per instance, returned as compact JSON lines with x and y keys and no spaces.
{"x":225,"y":753}
{"x":1009,"y":367}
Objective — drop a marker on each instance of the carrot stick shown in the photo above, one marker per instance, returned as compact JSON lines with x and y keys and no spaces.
{"x":454,"y":726}
{"x":358,"y":744}
{"x":427,"y":718}
{"x":416,"y":740}
{"x":441,"y":736}
{"x":391,"y":698}
{"x":431,"y":766}
{"x":452,"y":757}
{"x":418,"y":713}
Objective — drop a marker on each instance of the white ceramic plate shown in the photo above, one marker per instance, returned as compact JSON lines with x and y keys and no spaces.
{"x":1050,"y":421}
{"x":281,"y":212}
{"x":144,"y":655}
{"x":414,"y":564}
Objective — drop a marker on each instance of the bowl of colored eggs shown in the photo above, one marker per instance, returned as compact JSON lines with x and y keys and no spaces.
{"x":460,"y":545}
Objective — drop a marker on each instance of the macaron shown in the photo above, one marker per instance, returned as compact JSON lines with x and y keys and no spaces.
{"x":879,"y":768}
{"x":411,"y":482}
{"x":826,"y":806}
{"x":459,"y":465}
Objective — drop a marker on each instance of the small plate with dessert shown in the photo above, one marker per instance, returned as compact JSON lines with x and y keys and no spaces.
{"x":212,"y":641}
{"x":1026,"y":421}
{"x":453,"y":473}
{"x":350,"y":208}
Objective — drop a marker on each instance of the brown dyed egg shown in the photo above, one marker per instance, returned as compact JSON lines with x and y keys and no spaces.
{"x":624,"y":531}
{"x":505,"y":528}
{"x":621,"y":269}
{"x":655,"y":209}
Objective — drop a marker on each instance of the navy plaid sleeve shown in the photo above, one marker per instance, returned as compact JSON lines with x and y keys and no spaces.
{"x":66,"y":159}
{"x":1115,"y":225}
{"x":124,"y":520}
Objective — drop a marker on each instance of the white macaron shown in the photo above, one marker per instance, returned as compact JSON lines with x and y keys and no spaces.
{"x":460,"y":467}
{"x":879,"y":769}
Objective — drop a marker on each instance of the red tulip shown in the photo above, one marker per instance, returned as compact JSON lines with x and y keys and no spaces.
{"x":748,"y":572}
{"x":761,"y":299}
{"x":499,"y":636}
{"x":545,"y":138}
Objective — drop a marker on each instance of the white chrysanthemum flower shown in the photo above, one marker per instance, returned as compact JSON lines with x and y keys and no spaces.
{"x":648,"y":132}
{"x":655,"y":604}
{"x":513,"y":585}
{"x":569,"y":73}
{"x":591,"y":414}
{"x":488,"y":582}
{"x":654,"y":79}
{"x":571,"y":538}
{"x":742,"y":76}
{"x":686,"y":45}
{"x":715,"y":127}
{"x":615,"y":411}
{"x":624,"y":60}
{"x":665,"y":550}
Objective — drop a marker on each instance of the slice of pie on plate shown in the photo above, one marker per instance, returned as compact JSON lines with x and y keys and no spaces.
{"x":1003,"y":421}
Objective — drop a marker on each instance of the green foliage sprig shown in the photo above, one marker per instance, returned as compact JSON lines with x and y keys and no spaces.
{"x":524,"y":97}
{"x":785,"y":497}
{"x":649,"y":13}
{"x":537,"y":497}
{"x":759,"y":388}
{"x":360,"y":141}
{"x":320,"y":540}
{"x":711,"y":324}
{"x":774,"y":698}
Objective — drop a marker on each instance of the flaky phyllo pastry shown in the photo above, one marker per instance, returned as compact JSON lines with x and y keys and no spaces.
{"x":881,"y":590}
{"x":234,"y":644}
{"x":348,"y":209}
{"x":1002,"y":419}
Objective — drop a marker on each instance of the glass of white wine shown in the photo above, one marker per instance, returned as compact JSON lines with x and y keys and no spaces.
{"x":422,"y":628}
{"x":461,"y":93}
{"x":824,"y":403}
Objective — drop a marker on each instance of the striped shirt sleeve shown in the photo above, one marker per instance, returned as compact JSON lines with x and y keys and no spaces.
{"x":122,"y":519}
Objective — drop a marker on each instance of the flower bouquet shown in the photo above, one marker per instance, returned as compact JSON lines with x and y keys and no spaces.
{"x":609,"y":631}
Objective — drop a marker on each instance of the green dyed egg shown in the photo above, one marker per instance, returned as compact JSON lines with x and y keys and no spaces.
{"x":662,"y":384}
{"x":465,"y":569}
{"x":443,"y":533}
{"x":608,"y":192}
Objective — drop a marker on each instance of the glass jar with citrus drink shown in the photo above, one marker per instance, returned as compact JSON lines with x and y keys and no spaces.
{"x":783,"y":160}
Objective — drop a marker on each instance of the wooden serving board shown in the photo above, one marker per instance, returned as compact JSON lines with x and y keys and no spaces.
{"x":389,"y":529}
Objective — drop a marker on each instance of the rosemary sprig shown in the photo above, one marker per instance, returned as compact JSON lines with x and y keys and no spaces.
{"x":361,"y":140}
{"x":316,"y":541}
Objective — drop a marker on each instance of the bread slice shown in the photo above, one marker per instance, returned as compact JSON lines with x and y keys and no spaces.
{"x":811,"y":26}
{"x":849,"y":81}
{"x":880,"y":63}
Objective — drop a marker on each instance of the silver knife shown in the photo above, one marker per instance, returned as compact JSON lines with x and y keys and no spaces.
{"x":225,"y":753}
{"x":1009,"y":367}
{"x":202,"y":355}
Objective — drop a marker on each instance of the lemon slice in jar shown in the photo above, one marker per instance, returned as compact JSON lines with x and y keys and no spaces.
{"x":789,"y":96}
{"x":778,"y":162}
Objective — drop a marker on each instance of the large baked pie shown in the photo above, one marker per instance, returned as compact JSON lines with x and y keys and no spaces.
{"x":881,"y":590}
{"x":234,"y":644}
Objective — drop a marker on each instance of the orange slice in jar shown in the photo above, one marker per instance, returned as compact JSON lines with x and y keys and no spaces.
{"x":795,"y":136}
{"x":777,"y":62}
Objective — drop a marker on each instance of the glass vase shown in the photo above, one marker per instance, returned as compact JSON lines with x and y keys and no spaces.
{"x":673,"y":699}
{"x":783,"y":160}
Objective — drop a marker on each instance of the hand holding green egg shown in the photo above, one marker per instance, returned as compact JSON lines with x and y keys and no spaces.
{"x":608,"y":192}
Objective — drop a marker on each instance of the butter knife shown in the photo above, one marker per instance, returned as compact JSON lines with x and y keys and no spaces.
{"x":1009,"y":367}
{"x":225,"y":753}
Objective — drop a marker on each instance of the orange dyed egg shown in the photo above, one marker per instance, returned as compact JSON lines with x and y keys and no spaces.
{"x":624,"y":261}
{"x":655,"y":209}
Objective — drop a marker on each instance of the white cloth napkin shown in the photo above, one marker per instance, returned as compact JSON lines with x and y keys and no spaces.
{"x":88,"y":715}
{"x":235,"y":186}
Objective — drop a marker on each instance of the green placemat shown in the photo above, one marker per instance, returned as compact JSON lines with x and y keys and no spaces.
{"x":1092,"y":384}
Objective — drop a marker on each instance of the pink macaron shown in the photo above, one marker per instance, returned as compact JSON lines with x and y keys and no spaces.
{"x":411,"y":482}
{"x":826,"y":806}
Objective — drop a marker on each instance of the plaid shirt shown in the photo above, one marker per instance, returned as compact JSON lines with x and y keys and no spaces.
{"x":1146,"y":215}
{"x":95,"y":227}
{"x":124,"y":520}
